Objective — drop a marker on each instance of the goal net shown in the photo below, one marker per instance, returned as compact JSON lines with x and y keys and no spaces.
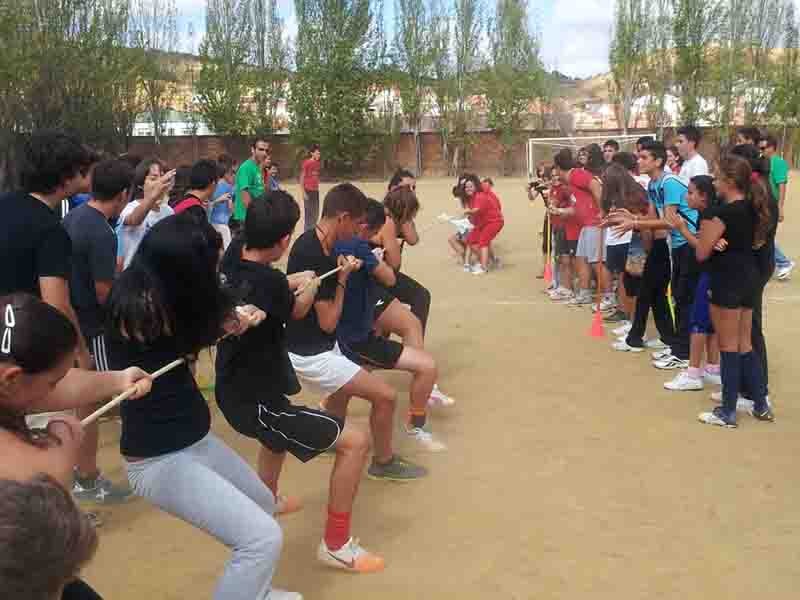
{"x":542,"y":150}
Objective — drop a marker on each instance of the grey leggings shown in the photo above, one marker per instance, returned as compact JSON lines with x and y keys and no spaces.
{"x":213,"y":488}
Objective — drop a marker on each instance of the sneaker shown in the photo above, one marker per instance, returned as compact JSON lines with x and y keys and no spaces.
{"x":479,"y":270}
{"x":718,"y":418}
{"x":625,"y":329}
{"x":564,"y":297}
{"x":580,"y":300}
{"x":655,"y":344}
{"x":286,"y":505}
{"x":350,"y":557}
{"x":622,"y":346}
{"x":467,"y":268}
{"x":671,"y":362}
{"x":99,"y":491}
{"x":661,"y":354}
{"x":616,"y":317}
{"x":397,"y":469}
{"x":94,"y":519}
{"x":743,"y":404}
{"x":276,"y":594}
{"x":712,"y":378}
{"x":607,"y":304}
{"x":439,"y":398}
{"x":785,"y":272}
{"x":765,"y":415}
{"x":684,"y":382}
{"x":425,"y":439}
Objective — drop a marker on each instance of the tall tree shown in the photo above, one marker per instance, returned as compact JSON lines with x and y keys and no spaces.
{"x":413,"y":54}
{"x":765,"y":33}
{"x":272,"y":62}
{"x":339,"y":45}
{"x":154,"y":28}
{"x":223,"y":83}
{"x":659,"y":64}
{"x":443,"y":71}
{"x":628,"y":56}
{"x":468,"y":27}
{"x":513,"y":79}
{"x":786,"y":101}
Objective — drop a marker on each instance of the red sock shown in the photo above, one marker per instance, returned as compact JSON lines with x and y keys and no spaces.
{"x":337,"y":529}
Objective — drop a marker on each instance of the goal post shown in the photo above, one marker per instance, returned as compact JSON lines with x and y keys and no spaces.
{"x":543,"y":149}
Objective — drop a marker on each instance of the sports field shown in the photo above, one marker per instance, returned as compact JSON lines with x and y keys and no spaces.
{"x":571,"y":473}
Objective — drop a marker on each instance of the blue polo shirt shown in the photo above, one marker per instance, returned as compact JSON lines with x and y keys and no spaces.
{"x":669,"y":190}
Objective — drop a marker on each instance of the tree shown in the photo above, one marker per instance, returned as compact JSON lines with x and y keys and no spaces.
{"x":785,"y":104}
{"x":154,"y":31}
{"x":224,"y":78}
{"x":339,"y":46}
{"x":514,"y":76}
{"x":273,"y":56}
{"x":765,"y":32}
{"x":413,"y":57}
{"x":443,"y":71}
{"x":628,"y":56}
{"x":659,"y":60}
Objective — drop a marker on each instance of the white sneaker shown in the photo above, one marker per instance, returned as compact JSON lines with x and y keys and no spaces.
{"x":479,"y":270}
{"x":425,"y":439}
{"x":684,"y":382}
{"x":655,"y":344}
{"x":712,"y":378}
{"x":467,"y":268}
{"x":439,"y":398}
{"x":625,"y":329}
{"x":671,"y":362}
{"x":276,"y":594}
{"x":350,"y":557}
{"x":661,"y":354}
{"x":742,"y":404}
{"x":607,"y":304}
{"x":785,"y":272}
{"x":622,"y":346}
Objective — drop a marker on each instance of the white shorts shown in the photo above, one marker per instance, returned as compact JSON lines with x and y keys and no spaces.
{"x":590,"y":245}
{"x":324,"y":373}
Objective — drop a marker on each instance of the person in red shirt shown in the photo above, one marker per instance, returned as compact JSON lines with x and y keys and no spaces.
{"x":309,"y":181}
{"x":567,"y":228}
{"x":486,"y":214}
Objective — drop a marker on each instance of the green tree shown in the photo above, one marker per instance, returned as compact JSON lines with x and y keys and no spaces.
{"x":224,"y":78}
{"x":659,"y":64}
{"x":628,"y":56}
{"x":273,"y":59}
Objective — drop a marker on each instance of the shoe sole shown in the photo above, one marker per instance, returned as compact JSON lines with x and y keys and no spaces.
{"x":394,"y":479}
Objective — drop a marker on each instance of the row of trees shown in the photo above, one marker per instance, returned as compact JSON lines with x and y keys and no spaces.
{"x":710,"y":58}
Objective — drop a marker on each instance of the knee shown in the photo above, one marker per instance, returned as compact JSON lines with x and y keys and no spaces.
{"x":265,"y":541}
{"x":428,"y":366}
{"x":353,"y":442}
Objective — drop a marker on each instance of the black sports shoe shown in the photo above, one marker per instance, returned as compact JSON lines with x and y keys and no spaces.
{"x":763,"y":415}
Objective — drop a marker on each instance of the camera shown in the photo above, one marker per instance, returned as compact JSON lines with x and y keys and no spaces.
{"x":538,"y":186}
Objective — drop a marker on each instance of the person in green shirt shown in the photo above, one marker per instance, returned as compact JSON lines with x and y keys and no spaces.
{"x":778,"y":181}
{"x":250,"y":179}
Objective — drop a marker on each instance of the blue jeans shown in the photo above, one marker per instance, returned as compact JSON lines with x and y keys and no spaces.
{"x":781,"y":260}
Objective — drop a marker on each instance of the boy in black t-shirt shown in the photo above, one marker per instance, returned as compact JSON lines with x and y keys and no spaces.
{"x":254,"y":375}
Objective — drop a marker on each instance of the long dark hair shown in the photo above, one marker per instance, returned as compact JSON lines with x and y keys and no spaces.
{"x":620,"y":190}
{"x":738,"y":170}
{"x":401,"y":204}
{"x":595,"y":163}
{"x":171,"y":289}
{"x":705,"y":185}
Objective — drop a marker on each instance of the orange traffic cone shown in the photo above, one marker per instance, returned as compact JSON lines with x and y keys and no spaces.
{"x":548,"y":273}
{"x":597,"y":325}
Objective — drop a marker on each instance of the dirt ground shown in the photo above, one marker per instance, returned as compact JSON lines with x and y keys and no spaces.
{"x":571,"y":473}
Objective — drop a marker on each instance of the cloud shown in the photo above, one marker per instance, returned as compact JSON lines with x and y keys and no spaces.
{"x":576,"y":36}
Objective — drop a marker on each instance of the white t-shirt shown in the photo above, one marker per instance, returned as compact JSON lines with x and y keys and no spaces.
{"x":692,"y":167}
{"x":130,"y":237}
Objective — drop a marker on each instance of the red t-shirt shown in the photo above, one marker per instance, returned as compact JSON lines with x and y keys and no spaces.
{"x":489,"y":209}
{"x":587,"y":212}
{"x":311,"y":175}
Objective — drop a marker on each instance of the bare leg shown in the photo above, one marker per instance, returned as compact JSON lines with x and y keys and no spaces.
{"x":270,"y":465}
{"x":397,"y":319}
{"x":383,"y":400}
{"x":697,"y":345}
{"x":458,"y":248}
{"x":87,"y":454}
{"x":423,"y":368}
{"x":351,"y":455}
{"x":712,"y":349}
{"x":584,"y":273}
{"x":484,"y":253}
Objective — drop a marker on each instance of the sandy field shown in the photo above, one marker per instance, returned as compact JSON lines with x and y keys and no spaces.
{"x":571,"y":473}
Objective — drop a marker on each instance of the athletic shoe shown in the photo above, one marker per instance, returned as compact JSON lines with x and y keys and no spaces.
{"x":286,"y":505}
{"x":479,"y":270}
{"x":616,"y":317}
{"x":655,"y":344}
{"x":743,"y":404}
{"x":607,"y":304}
{"x":350,"y":557}
{"x":625,"y":329}
{"x":712,"y":378}
{"x":439,"y":398}
{"x":718,"y":418}
{"x":276,"y":594}
{"x":580,"y":300}
{"x":564,"y":297}
{"x":671,"y":362}
{"x":765,"y":415}
{"x":397,"y":469}
{"x":425,"y":439}
{"x":94,"y":519}
{"x":467,"y":268}
{"x":661,"y":354}
{"x":622,"y":346}
{"x":684,"y":382}
{"x":785,"y":272}
{"x":99,"y":490}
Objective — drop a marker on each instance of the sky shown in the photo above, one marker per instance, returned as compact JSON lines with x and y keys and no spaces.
{"x":575,"y":34}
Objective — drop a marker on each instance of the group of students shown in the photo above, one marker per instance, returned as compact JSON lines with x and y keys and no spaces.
{"x":481,"y":222}
{"x":78,"y":327}
{"x":695,"y":249}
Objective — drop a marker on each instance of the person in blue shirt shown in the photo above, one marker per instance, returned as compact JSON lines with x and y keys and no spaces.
{"x":221,"y":205}
{"x":667,"y":195}
{"x":356,"y":335}
{"x":274,"y":183}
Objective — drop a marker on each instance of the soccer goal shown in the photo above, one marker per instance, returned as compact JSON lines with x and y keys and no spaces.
{"x":542,"y":149}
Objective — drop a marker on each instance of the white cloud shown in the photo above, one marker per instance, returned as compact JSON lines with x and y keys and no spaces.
{"x":576,"y":36}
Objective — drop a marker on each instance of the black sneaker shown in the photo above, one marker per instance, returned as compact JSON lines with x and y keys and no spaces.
{"x":763,"y":415}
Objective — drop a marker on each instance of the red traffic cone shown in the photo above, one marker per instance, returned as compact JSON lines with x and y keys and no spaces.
{"x":548,"y":273}
{"x":597,"y":325}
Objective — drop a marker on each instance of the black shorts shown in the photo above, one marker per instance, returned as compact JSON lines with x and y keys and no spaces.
{"x":304,"y":432}
{"x":382,"y":301}
{"x":565,"y":247}
{"x":735,"y":289}
{"x":616,"y":257}
{"x":376,"y":351}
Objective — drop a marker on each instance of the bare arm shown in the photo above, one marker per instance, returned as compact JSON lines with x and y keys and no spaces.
{"x":305,"y":299}
{"x":329,"y":311}
{"x":153,"y":191}
{"x":55,"y":291}
{"x":245,"y":195}
{"x":711,"y":231}
{"x":392,"y":254}
{"x":384,"y":274}
{"x":409,"y":233}
{"x":81,"y":388}
{"x":781,"y":198}
{"x":102,"y":289}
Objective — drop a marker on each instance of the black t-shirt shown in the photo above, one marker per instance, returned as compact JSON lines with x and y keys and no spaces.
{"x":739,"y":219}
{"x":174,"y":415}
{"x":94,"y":258}
{"x":305,"y":337}
{"x":255,"y":366}
{"x":33,"y":244}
